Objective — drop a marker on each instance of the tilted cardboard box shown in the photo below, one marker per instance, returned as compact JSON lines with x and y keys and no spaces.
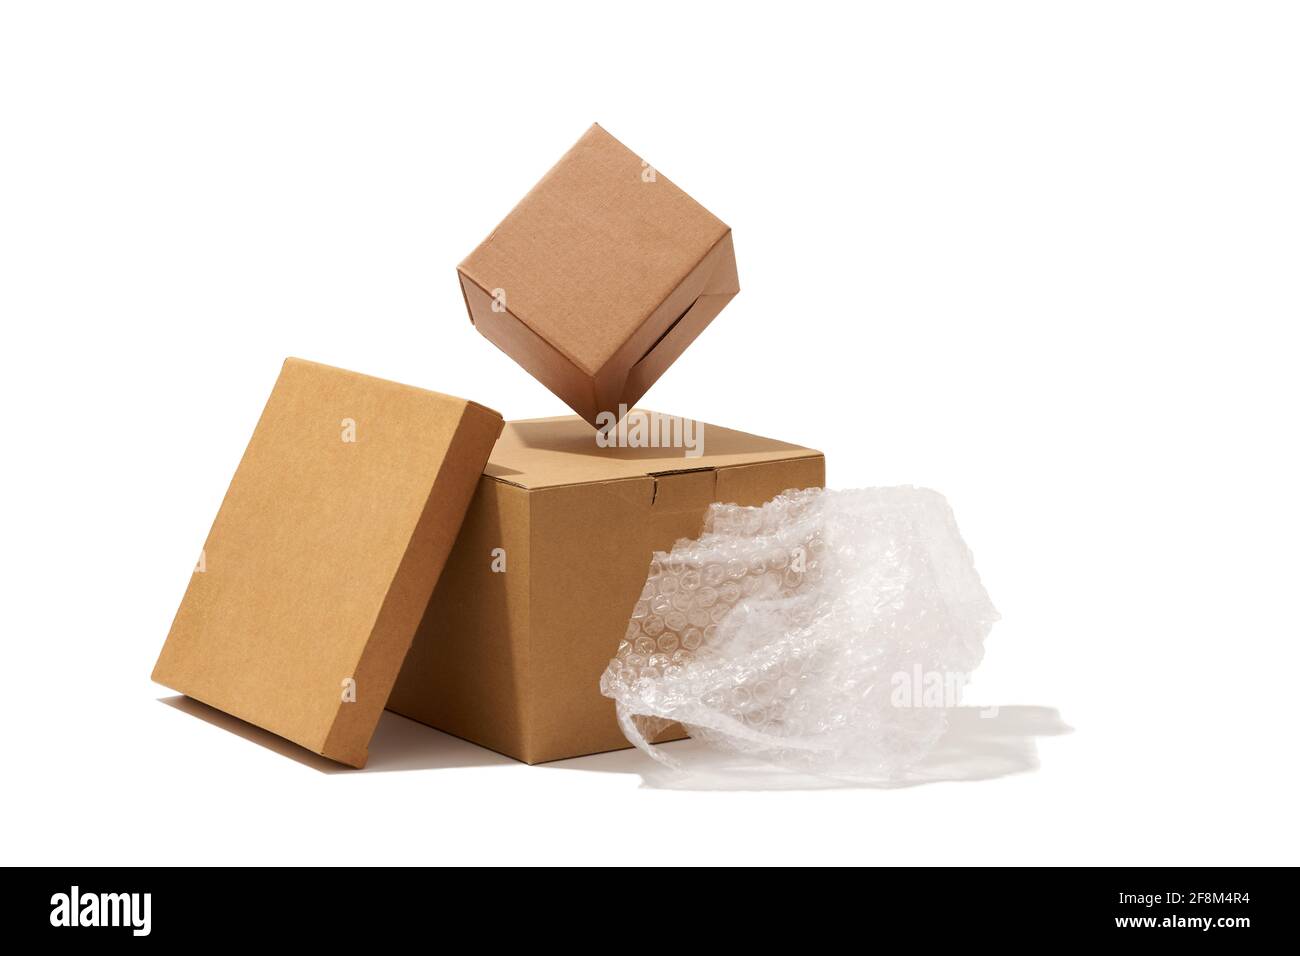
{"x":324,"y":553}
{"x":551,"y":558}
{"x":600,"y":277}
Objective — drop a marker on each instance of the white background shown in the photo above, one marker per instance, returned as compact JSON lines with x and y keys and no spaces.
{"x":1040,"y":257}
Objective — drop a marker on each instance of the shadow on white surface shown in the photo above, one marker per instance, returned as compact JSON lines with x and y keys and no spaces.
{"x":398,"y":743}
{"x":980,"y":744}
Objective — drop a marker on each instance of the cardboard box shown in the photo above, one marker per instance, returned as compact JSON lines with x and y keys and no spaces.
{"x":552,"y":556}
{"x":600,"y":278}
{"x":324,"y":553}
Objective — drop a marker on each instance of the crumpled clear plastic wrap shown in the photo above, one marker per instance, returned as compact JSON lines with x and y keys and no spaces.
{"x":808,"y":632}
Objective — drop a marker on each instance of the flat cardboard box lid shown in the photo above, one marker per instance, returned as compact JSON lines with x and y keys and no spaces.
{"x":600,"y":277}
{"x":551,"y":452}
{"x":324,"y":554}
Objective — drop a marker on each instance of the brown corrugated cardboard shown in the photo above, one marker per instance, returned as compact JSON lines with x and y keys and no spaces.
{"x":601,"y":277}
{"x":324,"y":554}
{"x":552,"y":556}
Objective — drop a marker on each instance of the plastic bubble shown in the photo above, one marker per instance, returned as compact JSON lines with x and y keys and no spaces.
{"x":812,"y":632}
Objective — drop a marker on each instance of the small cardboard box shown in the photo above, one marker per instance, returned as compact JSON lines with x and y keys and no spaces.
{"x":324,"y":553}
{"x":600,"y":278}
{"x":553,"y":554}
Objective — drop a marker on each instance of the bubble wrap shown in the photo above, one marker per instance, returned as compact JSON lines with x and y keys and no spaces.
{"x":797,"y":632}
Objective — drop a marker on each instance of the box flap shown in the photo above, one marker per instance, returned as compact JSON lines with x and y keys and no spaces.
{"x":548,"y":452}
{"x":324,"y":554}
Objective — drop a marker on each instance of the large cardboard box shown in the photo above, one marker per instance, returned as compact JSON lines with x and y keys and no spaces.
{"x":322,"y":558}
{"x":551,"y":558}
{"x":600,"y":277}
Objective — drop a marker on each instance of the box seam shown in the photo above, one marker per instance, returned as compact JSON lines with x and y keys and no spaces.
{"x":812,"y":453}
{"x":676,"y":284}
